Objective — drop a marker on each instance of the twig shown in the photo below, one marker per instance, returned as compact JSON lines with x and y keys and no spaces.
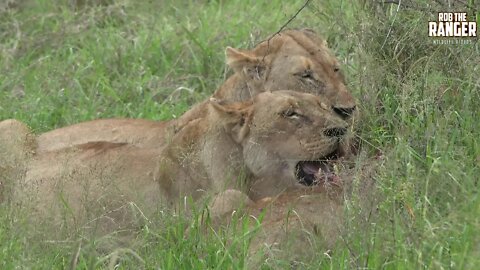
{"x":290,"y":20}
{"x":391,"y":26}
{"x":283,"y":27}
{"x":74,"y":262}
{"x":391,"y":2}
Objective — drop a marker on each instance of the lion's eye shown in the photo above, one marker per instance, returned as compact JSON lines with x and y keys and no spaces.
{"x":336,"y":69}
{"x":290,"y":113}
{"x":307,"y":74}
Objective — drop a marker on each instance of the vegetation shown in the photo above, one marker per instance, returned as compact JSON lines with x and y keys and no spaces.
{"x":63,"y":62}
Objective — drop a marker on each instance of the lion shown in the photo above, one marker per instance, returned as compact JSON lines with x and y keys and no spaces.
{"x":291,"y":59}
{"x":279,"y":140}
{"x":295,"y":225}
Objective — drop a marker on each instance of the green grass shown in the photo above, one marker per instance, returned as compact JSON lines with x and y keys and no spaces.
{"x":61,"y":64}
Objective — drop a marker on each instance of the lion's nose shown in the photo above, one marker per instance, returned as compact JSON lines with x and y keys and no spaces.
{"x":335,"y":132}
{"x":344,"y":112}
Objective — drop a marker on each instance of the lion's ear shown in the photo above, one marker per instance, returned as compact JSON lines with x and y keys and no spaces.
{"x":237,"y":115}
{"x":245,"y":62}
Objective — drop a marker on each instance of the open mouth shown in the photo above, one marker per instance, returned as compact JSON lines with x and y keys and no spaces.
{"x":316,"y":172}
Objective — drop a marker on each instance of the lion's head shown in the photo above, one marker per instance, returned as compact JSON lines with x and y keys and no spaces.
{"x":292,"y":139}
{"x":279,"y":140}
{"x":291,"y":59}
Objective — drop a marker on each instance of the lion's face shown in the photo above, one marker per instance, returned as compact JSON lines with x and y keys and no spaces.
{"x":295,"y":59}
{"x":291,"y":141}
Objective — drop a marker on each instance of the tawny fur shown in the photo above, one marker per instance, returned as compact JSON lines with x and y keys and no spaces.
{"x":296,"y":225}
{"x":292,"y":59}
{"x":251,"y":146}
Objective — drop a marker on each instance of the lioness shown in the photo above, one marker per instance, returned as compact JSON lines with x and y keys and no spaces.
{"x":291,"y":59}
{"x":296,"y":225}
{"x":280,"y":140}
